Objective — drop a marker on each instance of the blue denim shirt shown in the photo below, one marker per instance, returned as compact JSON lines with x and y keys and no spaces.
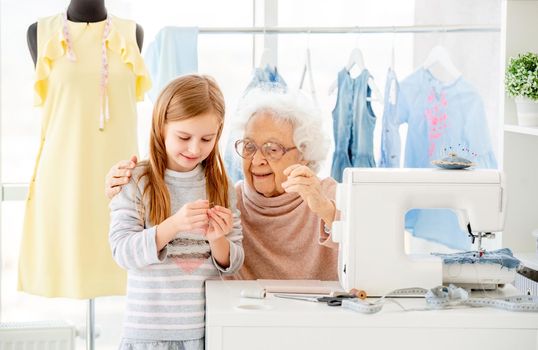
{"x":173,"y":53}
{"x":267,"y":78}
{"x":441,"y":118}
{"x":390,"y":134}
{"x":353,"y":124}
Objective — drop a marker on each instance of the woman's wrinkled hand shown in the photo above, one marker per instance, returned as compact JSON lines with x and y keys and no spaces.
{"x":119,"y":175}
{"x":303,"y":181}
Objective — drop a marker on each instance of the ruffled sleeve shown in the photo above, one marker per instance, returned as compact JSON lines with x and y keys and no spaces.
{"x":53,"y":48}
{"x":130,"y":54}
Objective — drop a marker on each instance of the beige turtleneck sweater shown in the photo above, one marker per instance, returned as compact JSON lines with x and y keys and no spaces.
{"x":283,"y":238}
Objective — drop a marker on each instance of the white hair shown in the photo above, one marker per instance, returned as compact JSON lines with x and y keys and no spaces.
{"x":296,"y":108}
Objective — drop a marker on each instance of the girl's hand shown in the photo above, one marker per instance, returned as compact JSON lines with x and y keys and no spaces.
{"x":119,"y":175}
{"x":302,"y":180}
{"x":220,"y":223}
{"x":192,"y":216}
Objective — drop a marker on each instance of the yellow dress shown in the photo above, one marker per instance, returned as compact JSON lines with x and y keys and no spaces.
{"x":64,"y":249}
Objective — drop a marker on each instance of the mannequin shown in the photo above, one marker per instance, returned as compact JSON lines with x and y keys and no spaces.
{"x":80,"y":11}
{"x":88,"y":86}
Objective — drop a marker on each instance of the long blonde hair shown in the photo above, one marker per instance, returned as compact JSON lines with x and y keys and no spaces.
{"x":183,"y":98}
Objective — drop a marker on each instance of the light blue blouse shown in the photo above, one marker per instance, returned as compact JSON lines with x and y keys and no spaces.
{"x":441,"y":118}
{"x":173,"y":53}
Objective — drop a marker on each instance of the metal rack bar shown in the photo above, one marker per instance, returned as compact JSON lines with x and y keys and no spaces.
{"x":351,"y":30}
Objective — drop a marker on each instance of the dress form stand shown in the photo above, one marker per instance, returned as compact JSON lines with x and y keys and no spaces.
{"x":90,"y":325}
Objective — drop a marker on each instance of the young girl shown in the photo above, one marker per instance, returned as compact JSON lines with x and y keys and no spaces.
{"x":171,"y":228}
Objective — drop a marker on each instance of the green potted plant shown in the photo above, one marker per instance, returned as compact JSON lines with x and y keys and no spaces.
{"x":521,"y":82}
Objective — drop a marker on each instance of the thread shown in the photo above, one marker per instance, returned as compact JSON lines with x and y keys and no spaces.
{"x":253,"y":293}
{"x":359,"y":293}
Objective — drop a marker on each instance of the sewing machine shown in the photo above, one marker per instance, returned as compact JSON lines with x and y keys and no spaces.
{"x":373,"y":203}
{"x":371,"y":234}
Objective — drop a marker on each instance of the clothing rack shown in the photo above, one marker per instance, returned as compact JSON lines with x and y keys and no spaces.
{"x":412,"y":29}
{"x":19,"y":191}
{"x":351,"y":30}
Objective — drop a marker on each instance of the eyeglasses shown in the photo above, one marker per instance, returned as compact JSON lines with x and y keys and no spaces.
{"x":270,"y":150}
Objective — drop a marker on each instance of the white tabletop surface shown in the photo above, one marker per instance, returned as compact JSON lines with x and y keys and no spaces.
{"x":226,"y":307}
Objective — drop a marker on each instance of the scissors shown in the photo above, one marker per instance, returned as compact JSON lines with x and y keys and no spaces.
{"x":331,"y":301}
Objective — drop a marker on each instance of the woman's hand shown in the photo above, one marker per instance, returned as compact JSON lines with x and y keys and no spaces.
{"x":302,"y":180}
{"x":119,"y":175}
{"x":220,"y":223}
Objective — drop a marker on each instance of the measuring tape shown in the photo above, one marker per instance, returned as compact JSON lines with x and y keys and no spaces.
{"x":367,"y":307}
{"x":442,"y":298}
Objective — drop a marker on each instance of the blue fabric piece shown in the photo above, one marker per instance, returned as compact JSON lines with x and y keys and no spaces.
{"x":353,"y":124}
{"x":441,"y":118}
{"x":390,"y":134}
{"x":266,"y":78}
{"x":173,"y":53}
{"x":503,"y":257}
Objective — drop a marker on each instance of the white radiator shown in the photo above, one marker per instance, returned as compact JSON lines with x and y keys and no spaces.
{"x":49,"y":335}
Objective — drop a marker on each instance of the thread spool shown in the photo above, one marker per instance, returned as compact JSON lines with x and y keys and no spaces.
{"x":253,"y":293}
{"x":359,"y":293}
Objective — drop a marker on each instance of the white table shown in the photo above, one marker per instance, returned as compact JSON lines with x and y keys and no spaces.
{"x":273,"y":323}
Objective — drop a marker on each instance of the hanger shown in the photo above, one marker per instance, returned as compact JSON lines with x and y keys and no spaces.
{"x":265,"y":59}
{"x":356,"y":59}
{"x":439,"y":55}
{"x":392,"y":55}
{"x":392,"y":88}
{"x":308,"y":68}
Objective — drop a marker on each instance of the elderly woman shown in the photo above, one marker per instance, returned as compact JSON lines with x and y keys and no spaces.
{"x":286,"y":210}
